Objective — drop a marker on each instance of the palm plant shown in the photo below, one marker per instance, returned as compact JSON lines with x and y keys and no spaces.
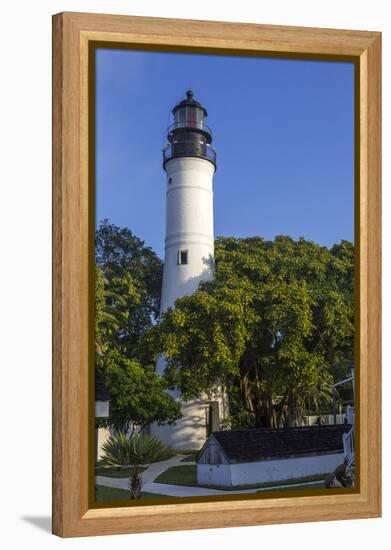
{"x":135,"y":483}
{"x":116,"y":450}
{"x":109,"y":315}
{"x":121,"y":450}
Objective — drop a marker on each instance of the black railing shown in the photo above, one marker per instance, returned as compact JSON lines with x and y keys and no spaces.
{"x":190,"y":124}
{"x":189,"y":149}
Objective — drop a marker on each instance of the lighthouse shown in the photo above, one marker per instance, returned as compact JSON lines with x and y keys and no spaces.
{"x":189,"y":160}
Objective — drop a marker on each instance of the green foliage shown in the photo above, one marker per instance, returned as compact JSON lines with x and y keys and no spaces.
{"x":109,"y":317}
{"x":270,"y":327}
{"x":242,"y":420}
{"x":128,"y":281}
{"x":138,"y":395}
{"x":132,"y":271}
{"x":122,"y":450}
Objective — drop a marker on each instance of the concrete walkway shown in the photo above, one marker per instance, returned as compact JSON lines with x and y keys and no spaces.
{"x":157,"y":468}
{"x":148,"y":475}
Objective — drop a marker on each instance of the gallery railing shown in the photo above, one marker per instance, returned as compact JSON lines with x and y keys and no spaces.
{"x":189,"y":149}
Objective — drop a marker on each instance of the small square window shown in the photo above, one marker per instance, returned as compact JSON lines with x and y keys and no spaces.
{"x":183,"y":257}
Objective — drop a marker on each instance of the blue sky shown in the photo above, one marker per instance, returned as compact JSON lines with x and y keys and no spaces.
{"x":283,"y":131}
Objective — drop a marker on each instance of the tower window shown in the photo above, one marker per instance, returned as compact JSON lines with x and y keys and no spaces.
{"x":183,"y":257}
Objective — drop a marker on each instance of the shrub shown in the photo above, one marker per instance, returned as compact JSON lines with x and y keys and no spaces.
{"x":343,"y":476}
{"x":115,"y":450}
{"x":121,"y":450}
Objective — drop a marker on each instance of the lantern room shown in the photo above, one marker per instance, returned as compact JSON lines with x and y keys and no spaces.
{"x":188,"y":135}
{"x":189,"y":113}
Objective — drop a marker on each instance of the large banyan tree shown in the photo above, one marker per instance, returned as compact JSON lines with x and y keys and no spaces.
{"x":273,"y":327}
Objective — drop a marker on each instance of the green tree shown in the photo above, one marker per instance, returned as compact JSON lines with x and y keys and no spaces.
{"x":269,"y":328}
{"x":110,"y":314}
{"x":128,"y":280}
{"x":138,"y":395}
{"x":133,"y":272}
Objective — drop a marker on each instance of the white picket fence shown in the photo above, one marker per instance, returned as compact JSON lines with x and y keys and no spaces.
{"x":350,"y":414}
{"x":327,"y":419}
{"x":348,"y":446}
{"x":348,"y":438}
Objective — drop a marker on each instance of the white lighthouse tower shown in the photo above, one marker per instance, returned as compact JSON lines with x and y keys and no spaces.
{"x":190,"y":163}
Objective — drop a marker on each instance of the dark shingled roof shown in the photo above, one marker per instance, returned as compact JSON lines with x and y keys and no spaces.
{"x":266,"y":443}
{"x":101,"y":392}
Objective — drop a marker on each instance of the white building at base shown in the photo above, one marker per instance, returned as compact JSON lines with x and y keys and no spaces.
{"x":190,"y":163}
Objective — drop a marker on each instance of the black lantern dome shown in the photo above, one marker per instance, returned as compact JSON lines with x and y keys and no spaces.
{"x":189,"y":102}
{"x":189,"y":136}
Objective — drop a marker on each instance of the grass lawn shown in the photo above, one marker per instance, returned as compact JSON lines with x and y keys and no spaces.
{"x":115,"y":471}
{"x":111,"y":493}
{"x":187,"y":475}
{"x":312,"y":486}
{"x":293,"y":481}
{"x":179,"y":475}
{"x":190,"y":458}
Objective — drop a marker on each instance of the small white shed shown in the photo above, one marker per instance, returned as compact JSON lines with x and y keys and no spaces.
{"x":247,"y":457}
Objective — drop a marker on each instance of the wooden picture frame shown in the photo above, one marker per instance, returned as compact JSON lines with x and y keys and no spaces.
{"x":73,"y":35}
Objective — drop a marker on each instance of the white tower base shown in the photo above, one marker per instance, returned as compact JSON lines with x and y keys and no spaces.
{"x":200,"y":418}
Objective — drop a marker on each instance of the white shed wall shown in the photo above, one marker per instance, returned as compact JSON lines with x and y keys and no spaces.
{"x":249,"y":473}
{"x":214,"y":474}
